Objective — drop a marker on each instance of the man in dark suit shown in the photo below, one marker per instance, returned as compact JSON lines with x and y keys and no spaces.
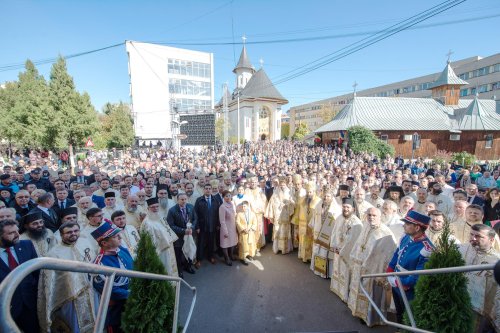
{"x":45,"y":203}
{"x":22,"y":204}
{"x":62,"y":201}
{"x":178,"y":217}
{"x":14,"y":252}
{"x":472,"y":197}
{"x":206,"y":209}
{"x":80,"y":178}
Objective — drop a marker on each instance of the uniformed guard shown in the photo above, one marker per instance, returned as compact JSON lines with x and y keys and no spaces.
{"x":113,"y":255}
{"x":412,"y":254}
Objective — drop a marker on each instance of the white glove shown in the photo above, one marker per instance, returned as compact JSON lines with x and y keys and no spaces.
{"x":392,"y":281}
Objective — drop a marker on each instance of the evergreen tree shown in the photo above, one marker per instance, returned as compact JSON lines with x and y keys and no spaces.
{"x":362,"y":140}
{"x":442,"y":302}
{"x":32,"y":109}
{"x":150,"y":306}
{"x":117,"y":125}
{"x":11,"y":127}
{"x":74,"y":118}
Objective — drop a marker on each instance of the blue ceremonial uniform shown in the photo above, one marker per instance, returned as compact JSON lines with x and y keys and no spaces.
{"x":411,"y":254}
{"x":121,"y":259}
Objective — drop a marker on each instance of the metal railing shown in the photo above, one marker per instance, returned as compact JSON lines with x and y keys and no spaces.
{"x":413,"y":327}
{"x":10,"y":283}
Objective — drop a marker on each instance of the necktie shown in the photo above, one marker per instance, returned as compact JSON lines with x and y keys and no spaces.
{"x":11,"y":260}
{"x":183,"y":211}
{"x":209,"y":203}
{"x":62,"y":205}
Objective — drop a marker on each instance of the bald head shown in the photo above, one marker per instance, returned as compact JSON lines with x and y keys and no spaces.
{"x":373,"y":217}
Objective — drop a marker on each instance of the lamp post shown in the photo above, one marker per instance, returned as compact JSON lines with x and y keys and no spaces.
{"x":238,"y":120}
{"x":237,"y":94}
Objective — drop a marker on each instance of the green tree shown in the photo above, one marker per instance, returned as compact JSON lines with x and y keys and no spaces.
{"x":442,"y":302}
{"x":464,"y":158}
{"x":285,"y":130}
{"x":74,"y":118}
{"x":385,"y":149}
{"x":117,"y":125}
{"x":219,"y":128}
{"x":150,"y":305}
{"x":11,"y":127}
{"x":362,"y":139}
{"x":300,"y":132}
{"x":32,"y":108}
{"x":25,"y":109}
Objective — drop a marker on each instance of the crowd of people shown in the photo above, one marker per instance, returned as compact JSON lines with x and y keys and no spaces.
{"x":344,"y":214}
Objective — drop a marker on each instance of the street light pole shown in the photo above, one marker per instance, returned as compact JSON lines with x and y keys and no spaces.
{"x":238,"y":120}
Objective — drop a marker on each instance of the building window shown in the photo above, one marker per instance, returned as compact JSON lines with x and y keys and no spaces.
{"x":454,"y":137}
{"x":189,"y":87}
{"x":384,"y":137}
{"x":463,"y":92}
{"x":186,"y":105}
{"x":189,"y":68}
{"x":489,"y":141}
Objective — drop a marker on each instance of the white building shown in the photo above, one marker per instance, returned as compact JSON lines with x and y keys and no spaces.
{"x":258,"y":106}
{"x":165,"y":82}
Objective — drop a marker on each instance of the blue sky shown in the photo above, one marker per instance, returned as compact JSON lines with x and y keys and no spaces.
{"x":44,"y":29}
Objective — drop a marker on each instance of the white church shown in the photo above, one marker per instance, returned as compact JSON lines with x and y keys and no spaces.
{"x":255,"y":104}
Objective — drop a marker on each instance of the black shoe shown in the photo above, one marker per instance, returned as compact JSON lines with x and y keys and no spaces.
{"x":250,"y":258}
{"x":244,"y":262}
{"x":229,"y":263}
{"x":181,"y":275}
{"x":190,"y":270}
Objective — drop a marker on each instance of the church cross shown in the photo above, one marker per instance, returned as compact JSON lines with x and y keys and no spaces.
{"x":244,"y":38}
{"x":450,"y":52}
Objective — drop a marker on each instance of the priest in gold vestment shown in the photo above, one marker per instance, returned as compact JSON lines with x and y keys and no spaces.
{"x":344,"y":235}
{"x":322,"y":257}
{"x":307,"y":216}
{"x":66,"y":299}
{"x":297,"y":191}
{"x":484,"y":291}
{"x":279,"y":211}
{"x":371,"y":254}
{"x":246,"y":223}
